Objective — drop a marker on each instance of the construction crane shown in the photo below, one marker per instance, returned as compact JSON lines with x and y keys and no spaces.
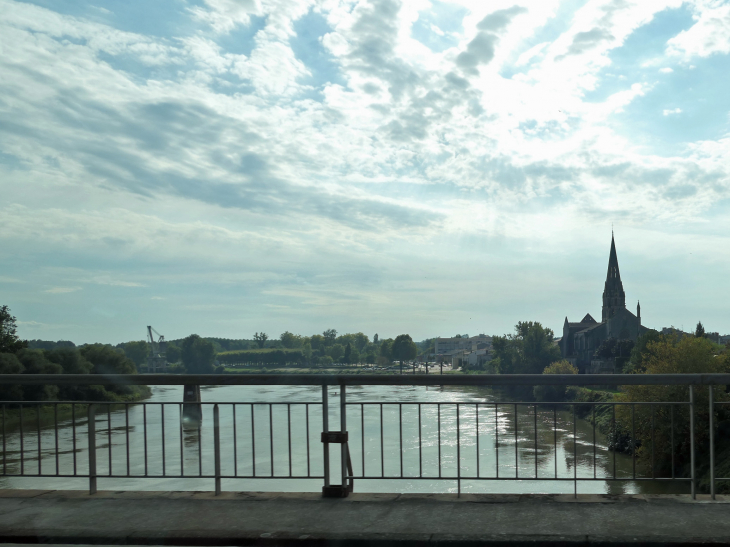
{"x":157,"y":360}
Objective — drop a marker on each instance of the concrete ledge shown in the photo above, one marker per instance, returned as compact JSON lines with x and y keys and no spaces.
{"x":259,"y":518}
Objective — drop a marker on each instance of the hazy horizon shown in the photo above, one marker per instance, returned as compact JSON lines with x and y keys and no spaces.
{"x":425,"y":167}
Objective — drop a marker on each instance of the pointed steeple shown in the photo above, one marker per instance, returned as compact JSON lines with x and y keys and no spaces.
{"x":613,"y":293}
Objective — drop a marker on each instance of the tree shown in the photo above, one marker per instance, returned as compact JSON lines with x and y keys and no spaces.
{"x":138,"y":351}
{"x":173,"y":353}
{"x":700,"y":331}
{"x":330,"y":335}
{"x":670,"y":355}
{"x":70,"y":359}
{"x":34,"y":362}
{"x":198,"y":355}
{"x":9,"y":341}
{"x":107,"y":360}
{"x":9,"y":364}
{"x":375,"y":339}
{"x":404,"y":349}
{"x":386,"y":347}
{"x":317,"y":342}
{"x":290,"y":341}
{"x":361,"y":341}
{"x":528,"y":351}
{"x":554,"y":393}
{"x":348,"y":353}
{"x":307,"y":351}
{"x":261,"y":338}
{"x":336,"y":352}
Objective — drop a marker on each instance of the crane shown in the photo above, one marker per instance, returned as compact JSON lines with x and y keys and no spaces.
{"x":158,"y":351}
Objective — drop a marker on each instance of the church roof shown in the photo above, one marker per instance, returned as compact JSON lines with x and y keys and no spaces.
{"x":613,"y":273}
{"x":588,"y":319}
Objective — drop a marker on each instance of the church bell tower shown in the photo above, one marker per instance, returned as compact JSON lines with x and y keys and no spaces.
{"x":613,"y":293}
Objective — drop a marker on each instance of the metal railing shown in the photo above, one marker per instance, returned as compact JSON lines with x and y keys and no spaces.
{"x":261,"y":443}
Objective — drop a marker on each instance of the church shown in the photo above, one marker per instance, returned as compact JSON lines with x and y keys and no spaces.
{"x":580,"y":340}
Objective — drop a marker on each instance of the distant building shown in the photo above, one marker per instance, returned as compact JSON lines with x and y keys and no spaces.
{"x":447,"y":346}
{"x":581,"y":339}
{"x":725,"y":339}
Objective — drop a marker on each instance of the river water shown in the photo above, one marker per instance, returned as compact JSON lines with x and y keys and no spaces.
{"x":497,"y":443}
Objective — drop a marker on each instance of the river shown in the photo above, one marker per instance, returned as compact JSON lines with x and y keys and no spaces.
{"x":552,"y":452}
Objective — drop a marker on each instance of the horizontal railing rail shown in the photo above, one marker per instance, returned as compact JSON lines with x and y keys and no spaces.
{"x":272,"y":439}
{"x":369,"y":379}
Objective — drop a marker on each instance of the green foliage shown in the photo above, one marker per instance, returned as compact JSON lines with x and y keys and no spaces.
{"x":107,"y":360}
{"x":330,"y":335}
{"x":70,"y":360}
{"x":260,"y":338}
{"x":278,"y":357}
{"x":386,"y":349}
{"x":9,"y":341}
{"x":669,"y":355}
{"x":336,"y":351}
{"x":326,"y":361}
{"x":348,"y":353}
{"x":174,"y":353}
{"x":317,"y":342}
{"x":375,"y":339}
{"x":197,"y":355}
{"x":48,"y":344}
{"x":528,"y":351}
{"x":138,"y":352}
{"x":404,"y":349}
{"x":9,"y":364}
{"x":554,"y":393}
{"x":639,"y":352}
{"x":700,"y":330}
{"x":289,"y":340}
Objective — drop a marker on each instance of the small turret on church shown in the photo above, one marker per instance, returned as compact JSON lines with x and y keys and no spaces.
{"x":614,"y":297}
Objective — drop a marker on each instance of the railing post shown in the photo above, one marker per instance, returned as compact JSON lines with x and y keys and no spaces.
{"x":692,"y":440}
{"x":92,"y":448}
{"x":217,"y":449}
{"x":343,"y":428}
{"x":325,"y":429}
{"x":712,"y":443}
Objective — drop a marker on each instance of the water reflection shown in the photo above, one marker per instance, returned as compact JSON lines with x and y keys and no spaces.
{"x":454,"y":432}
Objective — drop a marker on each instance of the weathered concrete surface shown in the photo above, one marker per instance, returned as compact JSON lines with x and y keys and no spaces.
{"x":199,"y":518}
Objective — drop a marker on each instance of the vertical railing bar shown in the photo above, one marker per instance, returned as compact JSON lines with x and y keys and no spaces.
{"x":438,"y":406}
{"x":692,"y":440}
{"x":5,"y":450}
{"x":594,"y":440}
{"x":712,"y":443}
{"x":535,"y":409}
{"x":306,"y":415}
{"x":400,"y":435}
{"x":235,"y":442}
{"x":144,"y":424}
{"x":633,"y":440}
{"x":671,"y":435}
{"x":458,"y":452}
{"x":217,"y":449}
{"x":653,"y":474}
{"x":271,"y":437}
{"x":288,"y":423}
{"x":362,"y":436}
{"x":55,"y":427}
{"x":126,"y":433}
{"x":476,"y":408}
{"x":40,"y":452}
{"x":613,"y":422}
{"x":22,"y":445}
{"x":253,"y":442}
{"x":420,"y":441}
{"x":200,"y":443}
{"x":382,"y":449}
{"x":555,"y":437}
{"x":575,"y":455}
{"x":92,"y":447}
{"x":343,"y":428}
{"x":517,"y":459}
{"x":109,"y":434}
{"x":325,"y":429}
{"x":182,"y":446}
{"x":73,"y":432}
{"x":496,"y":440}
{"x":162,"y":417}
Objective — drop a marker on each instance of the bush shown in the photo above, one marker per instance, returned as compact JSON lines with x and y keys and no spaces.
{"x":554,"y":393}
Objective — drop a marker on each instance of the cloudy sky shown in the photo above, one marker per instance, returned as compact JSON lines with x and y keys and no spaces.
{"x":230,"y":166}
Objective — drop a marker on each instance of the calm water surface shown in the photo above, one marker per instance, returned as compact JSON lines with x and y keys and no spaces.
{"x":488,"y":443}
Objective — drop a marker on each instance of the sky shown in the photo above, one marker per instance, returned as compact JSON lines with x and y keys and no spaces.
{"x":225,"y":167}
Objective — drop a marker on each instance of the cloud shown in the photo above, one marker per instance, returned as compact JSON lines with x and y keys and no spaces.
{"x":708,"y":36}
{"x":671,"y":111}
{"x":480,"y":49}
{"x":62,"y":290}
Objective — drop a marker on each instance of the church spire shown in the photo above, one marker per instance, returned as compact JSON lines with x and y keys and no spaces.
{"x":613,"y":293}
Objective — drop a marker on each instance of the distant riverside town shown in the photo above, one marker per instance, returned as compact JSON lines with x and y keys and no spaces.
{"x":615,"y":344}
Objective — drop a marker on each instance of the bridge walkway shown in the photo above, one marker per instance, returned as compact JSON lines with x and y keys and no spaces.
{"x":246,"y":518}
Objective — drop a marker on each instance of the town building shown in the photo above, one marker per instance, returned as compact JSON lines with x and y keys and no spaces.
{"x":581,"y":339}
